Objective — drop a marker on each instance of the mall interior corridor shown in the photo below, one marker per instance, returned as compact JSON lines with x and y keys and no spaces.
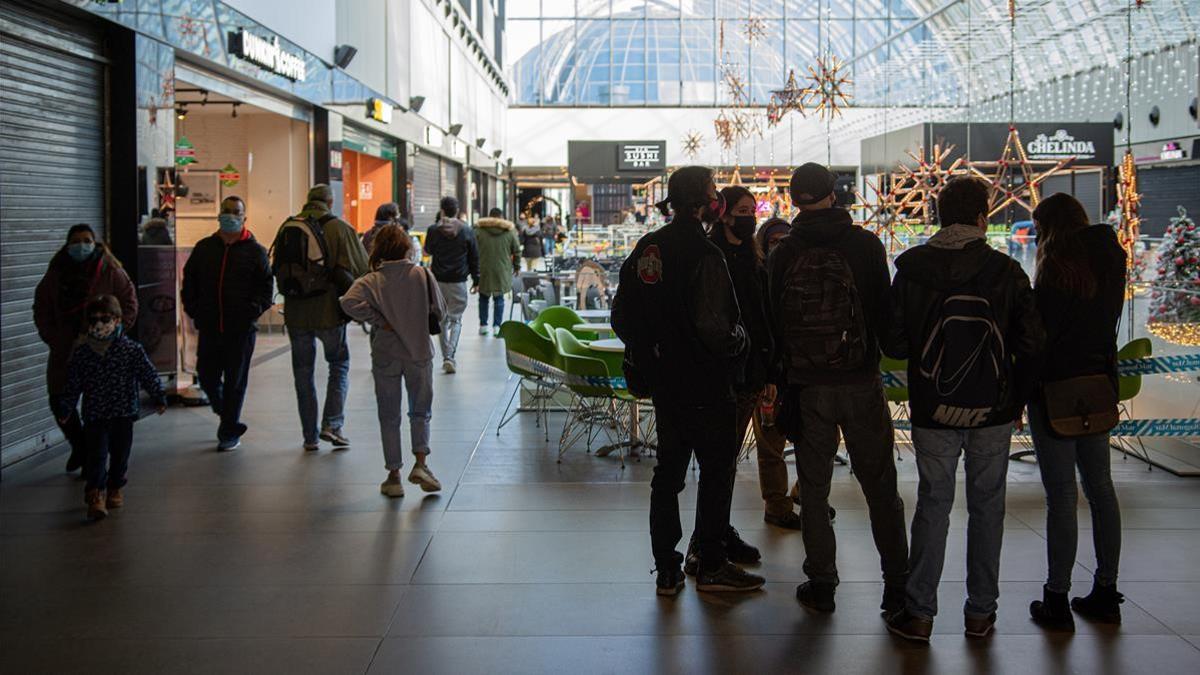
{"x":268,"y":559}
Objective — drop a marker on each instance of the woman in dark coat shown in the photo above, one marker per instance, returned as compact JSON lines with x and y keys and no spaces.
{"x":81,"y":270}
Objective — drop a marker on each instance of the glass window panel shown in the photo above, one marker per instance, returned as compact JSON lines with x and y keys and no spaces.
{"x":523,"y":51}
{"x":838,"y":9}
{"x":662,"y":9}
{"x":801,"y":9}
{"x":697,"y":64}
{"x":590,"y":9}
{"x":767,"y":70}
{"x":733,"y":9}
{"x":766,"y":9}
{"x":523,"y":9}
{"x":868,"y":34}
{"x":697,"y":8}
{"x":558,"y":63}
{"x":592,"y":50}
{"x":629,"y":56}
{"x":840,"y":40}
{"x":800,"y":46}
{"x":628,"y":9}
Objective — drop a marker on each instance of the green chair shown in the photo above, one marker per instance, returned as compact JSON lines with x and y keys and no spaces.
{"x":534,"y":359}
{"x":1128,"y":387}
{"x":558,"y":316}
{"x":593,"y":408}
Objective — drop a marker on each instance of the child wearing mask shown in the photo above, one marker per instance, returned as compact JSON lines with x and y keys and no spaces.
{"x":107,"y":369}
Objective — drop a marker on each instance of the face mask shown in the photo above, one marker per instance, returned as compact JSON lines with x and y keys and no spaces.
{"x":743,"y":227}
{"x":81,"y":251}
{"x":104,"y":330}
{"x":713,"y":211}
{"x":230,"y":222}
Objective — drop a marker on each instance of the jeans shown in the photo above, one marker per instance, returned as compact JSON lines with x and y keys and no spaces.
{"x":223,"y":366}
{"x":986,"y":461}
{"x":497,"y":302}
{"x":861,"y":412}
{"x":711,"y":433}
{"x":304,"y":355}
{"x":392,"y":378}
{"x":72,"y":431}
{"x":108,"y":445}
{"x":772,"y":467}
{"x":1057,"y":460}
{"x":548,"y":246}
{"x":455,"y":294}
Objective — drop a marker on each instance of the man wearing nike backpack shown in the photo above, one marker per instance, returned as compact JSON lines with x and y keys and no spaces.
{"x":964,"y":317}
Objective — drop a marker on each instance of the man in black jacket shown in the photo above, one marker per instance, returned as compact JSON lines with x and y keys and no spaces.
{"x":454,"y":256}
{"x":829,"y":299}
{"x":227,"y":285}
{"x":965,"y":319}
{"x":676,"y":311}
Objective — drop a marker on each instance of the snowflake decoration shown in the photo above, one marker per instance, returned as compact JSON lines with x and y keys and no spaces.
{"x":755,"y":29}
{"x":1005,"y":191}
{"x":692,"y":143}
{"x":922,"y":185}
{"x":883,"y":212}
{"x":735,"y":84}
{"x":828,"y":87}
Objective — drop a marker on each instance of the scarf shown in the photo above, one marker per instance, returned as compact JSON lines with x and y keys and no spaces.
{"x":956,"y":237}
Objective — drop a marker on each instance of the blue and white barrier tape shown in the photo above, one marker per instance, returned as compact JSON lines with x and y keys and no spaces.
{"x":1167,"y":426}
{"x":1151,"y":365}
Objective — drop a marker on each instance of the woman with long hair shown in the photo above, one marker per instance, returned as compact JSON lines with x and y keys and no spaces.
{"x":1080,"y":289}
{"x":399,"y":298}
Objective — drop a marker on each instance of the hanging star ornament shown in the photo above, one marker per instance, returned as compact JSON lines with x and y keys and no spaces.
{"x":828,"y":87}
{"x":788,"y":99}
{"x":691,"y":143}
{"x":1004,"y":189}
{"x":755,"y":30}
{"x":922,"y":185}
{"x":883,"y":212}
{"x":1128,"y":200}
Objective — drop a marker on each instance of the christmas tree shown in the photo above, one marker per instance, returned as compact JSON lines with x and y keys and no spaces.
{"x":1174,"y":300}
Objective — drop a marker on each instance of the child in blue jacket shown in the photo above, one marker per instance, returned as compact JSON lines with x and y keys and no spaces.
{"x":107,"y":369}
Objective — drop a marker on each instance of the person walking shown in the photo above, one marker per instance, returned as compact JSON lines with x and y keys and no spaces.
{"x":549,"y":235}
{"x":499,"y":261}
{"x":677,"y":313}
{"x":454,"y":257}
{"x":964,"y":317}
{"x":829,"y":299}
{"x":106,"y":369}
{"x":398,"y":299}
{"x":81,"y":270}
{"x":1080,"y":290}
{"x":531,"y":242}
{"x":226,"y":286}
{"x":319,"y":318}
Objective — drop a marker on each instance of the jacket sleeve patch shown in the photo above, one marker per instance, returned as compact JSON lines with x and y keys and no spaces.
{"x":649,"y":265}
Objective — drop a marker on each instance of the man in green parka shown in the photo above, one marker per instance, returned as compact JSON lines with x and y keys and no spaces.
{"x":499,"y":260}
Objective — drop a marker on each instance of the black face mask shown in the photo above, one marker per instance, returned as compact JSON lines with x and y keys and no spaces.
{"x":743,"y":227}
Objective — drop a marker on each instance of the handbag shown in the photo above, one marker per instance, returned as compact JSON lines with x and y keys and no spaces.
{"x":1081,"y":406}
{"x":435,"y":324}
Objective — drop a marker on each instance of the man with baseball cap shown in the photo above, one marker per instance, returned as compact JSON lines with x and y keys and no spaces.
{"x":829,"y":290}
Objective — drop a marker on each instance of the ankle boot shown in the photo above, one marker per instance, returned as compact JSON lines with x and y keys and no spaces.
{"x":1052,"y":611}
{"x":1103,"y":604}
{"x":94,"y":500}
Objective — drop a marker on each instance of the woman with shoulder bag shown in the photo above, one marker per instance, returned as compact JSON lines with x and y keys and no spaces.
{"x":1080,"y":289}
{"x":404,"y":305}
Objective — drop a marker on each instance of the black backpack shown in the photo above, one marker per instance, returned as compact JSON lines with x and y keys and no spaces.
{"x":299,"y":258}
{"x":964,"y":361}
{"x":821,"y":317}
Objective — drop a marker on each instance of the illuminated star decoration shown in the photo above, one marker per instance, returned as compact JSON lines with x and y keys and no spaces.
{"x":828,"y":87}
{"x":754,"y":29}
{"x":785,"y":100}
{"x":1004,"y":190}
{"x":922,"y":185}
{"x":692,"y":143}
{"x":883,"y":211}
{"x":1128,"y":200}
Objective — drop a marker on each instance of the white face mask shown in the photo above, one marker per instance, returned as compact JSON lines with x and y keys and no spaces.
{"x":104,"y":330}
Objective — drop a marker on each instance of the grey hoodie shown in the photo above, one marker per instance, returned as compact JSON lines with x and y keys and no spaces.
{"x":395,"y":299}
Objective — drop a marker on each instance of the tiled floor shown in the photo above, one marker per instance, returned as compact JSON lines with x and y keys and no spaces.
{"x":268,"y":560}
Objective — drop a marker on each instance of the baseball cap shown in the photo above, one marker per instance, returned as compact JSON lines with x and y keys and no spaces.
{"x":813,"y":180}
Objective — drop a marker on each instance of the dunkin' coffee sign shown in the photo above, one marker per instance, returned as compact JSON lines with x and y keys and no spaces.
{"x":1060,"y":145}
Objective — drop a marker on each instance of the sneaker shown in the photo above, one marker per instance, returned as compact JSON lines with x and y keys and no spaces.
{"x":788,"y":521}
{"x":817,"y":596}
{"x":448,"y":367}
{"x":738,"y":550}
{"x":893,"y":599}
{"x":335,"y":436}
{"x":496,"y":331}
{"x":392,"y":487}
{"x":909,"y":627}
{"x":229,"y":444}
{"x":728,"y":578}
{"x":312,"y":447}
{"x":1053,"y":611}
{"x":94,"y":499}
{"x":483,"y":330}
{"x":115,"y":498}
{"x":691,"y":561}
{"x":421,"y":475}
{"x":1103,"y":604}
{"x":974,"y":626}
{"x":669,"y":581}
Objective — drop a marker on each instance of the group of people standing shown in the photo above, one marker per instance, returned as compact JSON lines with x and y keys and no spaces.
{"x":784,"y":328}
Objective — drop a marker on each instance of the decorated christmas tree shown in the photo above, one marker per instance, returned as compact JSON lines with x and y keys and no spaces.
{"x":1175,"y":302}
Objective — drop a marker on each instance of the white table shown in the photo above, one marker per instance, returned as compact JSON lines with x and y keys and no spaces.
{"x":613,"y":345}
{"x":594,"y":315}
{"x":595,"y":328}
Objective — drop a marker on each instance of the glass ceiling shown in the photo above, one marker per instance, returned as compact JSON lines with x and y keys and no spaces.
{"x":919,"y":53}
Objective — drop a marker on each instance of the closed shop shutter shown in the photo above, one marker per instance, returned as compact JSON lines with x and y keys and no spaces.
{"x":451,"y":174}
{"x":51,"y":176}
{"x":426,"y":190}
{"x":1164,"y":188}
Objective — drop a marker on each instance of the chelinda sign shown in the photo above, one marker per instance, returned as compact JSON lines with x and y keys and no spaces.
{"x":1059,"y":146}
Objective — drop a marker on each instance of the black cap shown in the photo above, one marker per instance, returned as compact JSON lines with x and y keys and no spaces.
{"x":688,"y":186}
{"x":813,"y":180}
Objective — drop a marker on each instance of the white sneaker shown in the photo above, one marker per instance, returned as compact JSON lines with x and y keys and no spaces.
{"x":392,"y":487}
{"x":483,"y":330}
{"x":496,"y":331}
{"x":448,"y":367}
{"x":421,"y":475}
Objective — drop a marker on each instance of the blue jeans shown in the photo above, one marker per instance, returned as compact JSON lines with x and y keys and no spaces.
{"x":108,"y":444}
{"x":497,"y":302}
{"x":304,"y":355}
{"x":986,"y":463}
{"x":394,"y":377}
{"x":1057,"y":460}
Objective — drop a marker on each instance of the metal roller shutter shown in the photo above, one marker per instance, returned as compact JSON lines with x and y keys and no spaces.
{"x":52,"y":155}
{"x":451,"y":178}
{"x":1163,"y":190}
{"x":427,"y":191}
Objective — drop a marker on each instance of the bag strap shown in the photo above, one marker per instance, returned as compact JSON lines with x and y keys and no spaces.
{"x":429,"y":287}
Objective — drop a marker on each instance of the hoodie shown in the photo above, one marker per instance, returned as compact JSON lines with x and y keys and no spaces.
{"x":957,"y":259}
{"x":499,"y":255}
{"x":398,"y":295}
{"x":453,"y":251}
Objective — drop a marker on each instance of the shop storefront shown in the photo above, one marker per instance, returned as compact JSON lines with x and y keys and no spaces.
{"x":371,"y":167}
{"x":1168,"y":173}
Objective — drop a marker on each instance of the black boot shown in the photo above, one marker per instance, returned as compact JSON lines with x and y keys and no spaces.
{"x":1052,"y":611}
{"x":815,"y":595}
{"x":1103,"y":604}
{"x":738,"y":550}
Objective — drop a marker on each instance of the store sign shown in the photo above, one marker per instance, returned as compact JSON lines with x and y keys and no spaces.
{"x":335,"y":159}
{"x":267,"y":54}
{"x":1172,"y":150}
{"x":1060,"y":145}
{"x":641,"y":156}
{"x":379,"y":110}
{"x":366,"y":190}
{"x":229,"y":175}
{"x":185,"y":152}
